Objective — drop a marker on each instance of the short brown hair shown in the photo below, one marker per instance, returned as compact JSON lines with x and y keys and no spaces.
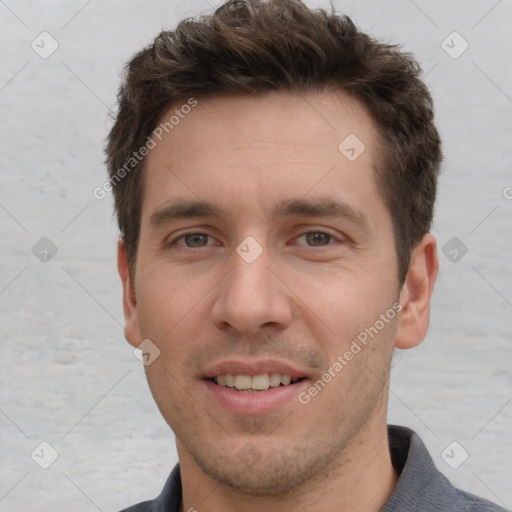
{"x":251,"y":46}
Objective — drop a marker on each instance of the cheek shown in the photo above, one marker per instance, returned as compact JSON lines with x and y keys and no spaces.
{"x":166,"y":386}
{"x":166,"y":300}
{"x":175,"y":314}
{"x":344,"y":301}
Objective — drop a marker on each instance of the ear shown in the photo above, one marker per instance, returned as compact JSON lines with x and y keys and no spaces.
{"x":131,"y":326}
{"x":416,"y":293}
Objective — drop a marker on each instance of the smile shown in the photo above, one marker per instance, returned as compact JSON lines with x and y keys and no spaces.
{"x":251,"y":401}
{"x":256,"y":383}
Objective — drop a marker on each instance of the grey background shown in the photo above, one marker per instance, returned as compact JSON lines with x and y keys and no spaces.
{"x":67,"y":376}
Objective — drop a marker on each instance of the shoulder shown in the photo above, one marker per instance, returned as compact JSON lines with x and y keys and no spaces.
{"x":146,"y":506}
{"x":421,"y":486}
{"x":470,"y":503}
{"x":168,"y":500}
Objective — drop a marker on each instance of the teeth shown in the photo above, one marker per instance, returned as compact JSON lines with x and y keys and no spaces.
{"x":275,"y":379}
{"x":243,"y":382}
{"x":260,"y":382}
{"x":257,"y":382}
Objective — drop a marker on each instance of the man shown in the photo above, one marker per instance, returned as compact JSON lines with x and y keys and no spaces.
{"x":274,"y":173}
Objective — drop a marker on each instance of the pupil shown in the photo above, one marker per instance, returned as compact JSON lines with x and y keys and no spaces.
{"x":196,"y":240}
{"x":318,"y":238}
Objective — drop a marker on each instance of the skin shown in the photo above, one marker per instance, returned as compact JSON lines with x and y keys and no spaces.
{"x":303,"y":300}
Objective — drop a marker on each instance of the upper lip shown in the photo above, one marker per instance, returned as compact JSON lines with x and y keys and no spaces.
{"x":253,"y":368}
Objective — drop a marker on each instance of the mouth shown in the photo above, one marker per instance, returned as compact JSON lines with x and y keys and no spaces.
{"x":254,"y":383}
{"x":254,"y":388}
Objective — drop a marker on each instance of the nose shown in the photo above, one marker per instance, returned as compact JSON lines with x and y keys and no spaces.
{"x":252,"y":297}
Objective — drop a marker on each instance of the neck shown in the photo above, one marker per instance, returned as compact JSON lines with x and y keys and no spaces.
{"x":361,"y":479}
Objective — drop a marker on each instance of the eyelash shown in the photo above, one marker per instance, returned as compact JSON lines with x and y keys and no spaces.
{"x":175,"y":241}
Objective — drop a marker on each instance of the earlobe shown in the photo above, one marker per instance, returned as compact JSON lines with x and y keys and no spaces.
{"x":416,"y":294}
{"x":131,"y":328}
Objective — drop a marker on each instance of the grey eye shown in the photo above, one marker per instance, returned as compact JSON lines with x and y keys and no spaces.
{"x":196,"y":240}
{"x":316,"y":238}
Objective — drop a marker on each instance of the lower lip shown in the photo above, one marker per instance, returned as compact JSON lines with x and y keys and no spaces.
{"x":259,"y":402}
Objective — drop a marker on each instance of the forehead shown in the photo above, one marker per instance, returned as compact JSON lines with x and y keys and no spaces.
{"x":251,"y":150}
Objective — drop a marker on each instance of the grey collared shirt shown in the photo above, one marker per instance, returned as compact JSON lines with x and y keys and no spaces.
{"x":421,"y":487}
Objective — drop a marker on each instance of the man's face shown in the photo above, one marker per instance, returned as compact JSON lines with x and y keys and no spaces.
{"x":266,"y":249}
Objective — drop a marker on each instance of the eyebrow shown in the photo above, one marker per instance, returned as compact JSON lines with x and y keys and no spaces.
{"x":185,"y":209}
{"x":322,"y":207}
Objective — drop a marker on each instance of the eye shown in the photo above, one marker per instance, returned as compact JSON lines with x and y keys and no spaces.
{"x":316,"y":238}
{"x":192,"y":240}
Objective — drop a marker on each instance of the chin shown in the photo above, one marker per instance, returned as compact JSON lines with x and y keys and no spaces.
{"x":272,"y":473}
